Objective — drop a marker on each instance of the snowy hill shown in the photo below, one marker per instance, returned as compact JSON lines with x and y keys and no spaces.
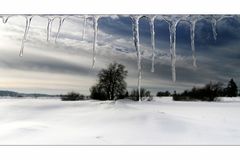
{"x":159,"y":122}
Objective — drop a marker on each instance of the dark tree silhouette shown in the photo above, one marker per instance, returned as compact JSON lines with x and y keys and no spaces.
{"x":232,"y":89}
{"x":111,"y":83}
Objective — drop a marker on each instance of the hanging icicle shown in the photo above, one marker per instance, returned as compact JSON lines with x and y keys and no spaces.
{"x":151,"y":23}
{"x":24,"y":39}
{"x":193,"y":19}
{"x":214,"y":20}
{"x":5,"y":19}
{"x":214,"y":28}
{"x":135,"y":28}
{"x":49,"y":28}
{"x":173,"y":22}
{"x":95,"y":28}
{"x":61,"y":20}
{"x":192,"y":33}
{"x":84,"y":26}
{"x":172,"y":30}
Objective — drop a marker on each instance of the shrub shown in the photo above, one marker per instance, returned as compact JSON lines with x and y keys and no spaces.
{"x":207,"y":93}
{"x":144,"y":95}
{"x":72,"y":96}
{"x":162,"y":94}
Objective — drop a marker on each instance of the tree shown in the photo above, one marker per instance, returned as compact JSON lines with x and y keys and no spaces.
{"x":111,"y":83}
{"x":232,"y":89}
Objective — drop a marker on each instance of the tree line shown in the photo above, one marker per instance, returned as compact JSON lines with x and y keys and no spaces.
{"x":111,"y":85}
{"x":209,"y":92}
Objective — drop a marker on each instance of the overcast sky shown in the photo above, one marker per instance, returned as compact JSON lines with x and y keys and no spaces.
{"x":58,"y":68}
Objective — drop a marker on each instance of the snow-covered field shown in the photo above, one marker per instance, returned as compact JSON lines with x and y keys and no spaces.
{"x":159,"y":122}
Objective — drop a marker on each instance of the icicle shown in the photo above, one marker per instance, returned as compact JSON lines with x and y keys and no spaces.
{"x":214,"y":28}
{"x":27,"y":26}
{"x":172,"y":31}
{"x":135,"y":28}
{"x":49,"y":28}
{"x":214,"y":20}
{"x":151,"y":23}
{"x":95,"y":28}
{"x":84,"y":26}
{"x":61,"y":20}
{"x":5,"y":19}
{"x":192,"y":33}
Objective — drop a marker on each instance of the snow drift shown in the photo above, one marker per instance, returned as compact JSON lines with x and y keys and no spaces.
{"x":159,"y":122}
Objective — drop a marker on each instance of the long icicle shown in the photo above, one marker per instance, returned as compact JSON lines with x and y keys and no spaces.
{"x":151,"y":23}
{"x":172,"y":31}
{"x":214,"y":28}
{"x":49,"y":28}
{"x":95,"y":28}
{"x":27,"y":26}
{"x":84,"y":26}
{"x":135,"y":28}
{"x":192,"y":33}
{"x":61,"y":20}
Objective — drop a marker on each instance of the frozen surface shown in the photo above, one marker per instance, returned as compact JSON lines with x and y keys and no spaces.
{"x":159,"y":122}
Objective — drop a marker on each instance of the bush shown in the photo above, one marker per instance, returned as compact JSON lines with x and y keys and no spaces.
{"x":163,"y":94}
{"x":72,"y":96}
{"x":144,"y":95}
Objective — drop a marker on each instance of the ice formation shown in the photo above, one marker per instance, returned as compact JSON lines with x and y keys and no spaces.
{"x":84,"y":26}
{"x":49,"y":27}
{"x":172,"y":22}
{"x":135,"y":28}
{"x":61,"y":20}
{"x":192,"y":33}
{"x":214,"y":20}
{"x":152,"y":31}
{"x":214,"y":28}
{"x":4,"y":19}
{"x":24,"y":39}
{"x":192,"y":22}
{"x":95,"y":28}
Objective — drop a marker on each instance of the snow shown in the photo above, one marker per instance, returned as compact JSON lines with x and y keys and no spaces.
{"x":124,"y":122}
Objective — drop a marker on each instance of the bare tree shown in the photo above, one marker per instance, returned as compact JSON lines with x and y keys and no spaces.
{"x":111,"y":83}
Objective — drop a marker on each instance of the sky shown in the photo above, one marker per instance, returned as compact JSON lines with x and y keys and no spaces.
{"x":64,"y":66}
